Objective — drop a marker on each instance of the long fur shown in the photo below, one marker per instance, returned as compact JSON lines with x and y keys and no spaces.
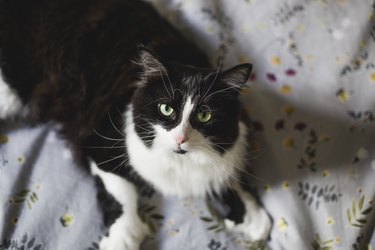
{"x":102,"y":69}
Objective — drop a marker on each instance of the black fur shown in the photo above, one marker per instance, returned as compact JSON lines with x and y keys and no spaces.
{"x":79,"y":63}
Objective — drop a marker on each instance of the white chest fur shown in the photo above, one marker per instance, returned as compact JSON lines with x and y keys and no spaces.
{"x":195,"y":173}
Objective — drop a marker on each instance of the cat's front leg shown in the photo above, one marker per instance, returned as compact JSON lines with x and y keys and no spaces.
{"x":10,"y":102}
{"x":255,"y":222}
{"x":128,"y":231}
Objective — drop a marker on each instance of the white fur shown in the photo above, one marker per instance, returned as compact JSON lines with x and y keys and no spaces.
{"x":128,"y":231}
{"x":183,"y":128}
{"x":198,"y":172}
{"x":10,"y":103}
{"x":256,"y":222}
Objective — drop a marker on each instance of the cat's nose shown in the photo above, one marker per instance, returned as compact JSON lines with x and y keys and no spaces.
{"x":180,"y":139}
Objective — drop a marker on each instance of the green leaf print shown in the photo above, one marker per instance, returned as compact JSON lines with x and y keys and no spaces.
{"x":255,"y":245}
{"x":150,"y":216}
{"x":216,"y":225}
{"x":319,"y":244}
{"x":357,"y":215}
{"x":27,"y":196}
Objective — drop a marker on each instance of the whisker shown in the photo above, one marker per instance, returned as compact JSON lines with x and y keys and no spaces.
{"x":235,"y":159}
{"x":106,"y":137}
{"x":212,"y":83}
{"x":112,"y":159}
{"x":169,"y":80}
{"x":165,"y":86}
{"x":120,"y":165}
{"x":105,"y":147}
{"x":219,"y":91}
{"x":110,"y":118}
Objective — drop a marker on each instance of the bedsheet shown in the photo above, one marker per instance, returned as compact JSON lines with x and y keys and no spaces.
{"x":312,"y":100}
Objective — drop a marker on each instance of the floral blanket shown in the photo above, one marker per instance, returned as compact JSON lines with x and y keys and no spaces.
{"x":312,"y":100}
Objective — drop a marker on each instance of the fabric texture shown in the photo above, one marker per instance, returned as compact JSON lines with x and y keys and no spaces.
{"x":312,"y":100}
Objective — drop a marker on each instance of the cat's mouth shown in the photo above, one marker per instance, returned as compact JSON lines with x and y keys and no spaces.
{"x":180,"y":151}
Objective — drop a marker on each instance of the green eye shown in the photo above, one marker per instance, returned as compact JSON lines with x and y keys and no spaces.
{"x":204,"y":116}
{"x":166,"y":110}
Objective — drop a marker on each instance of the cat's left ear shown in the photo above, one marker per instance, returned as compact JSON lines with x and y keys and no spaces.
{"x":151,"y":63}
{"x":237,"y":76}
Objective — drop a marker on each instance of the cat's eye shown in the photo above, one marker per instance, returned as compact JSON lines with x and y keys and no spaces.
{"x":204,"y":116}
{"x":166,"y":110}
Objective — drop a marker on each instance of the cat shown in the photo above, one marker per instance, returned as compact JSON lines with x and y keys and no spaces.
{"x":138,"y":101}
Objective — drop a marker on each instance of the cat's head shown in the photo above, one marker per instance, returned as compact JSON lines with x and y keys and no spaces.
{"x":182,"y":109}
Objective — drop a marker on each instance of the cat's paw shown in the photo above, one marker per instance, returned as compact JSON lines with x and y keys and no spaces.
{"x":256,"y":225}
{"x":129,"y":237}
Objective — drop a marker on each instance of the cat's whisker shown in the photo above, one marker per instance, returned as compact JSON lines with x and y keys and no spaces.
{"x":165,"y":86}
{"x":220,"y":91}
{"x":255,"y":151}
{"x":229,"y":154}
{"x":169,"y":80}
{"x":120,"y":165}
{"x":105,"y":147}
{"x":106,"y":137}
{"x":114,"y":126}
{"x":212,"y":83}
{"x":141,"y":127}
{"x":112,"y":159}
{"x":157,"y":100}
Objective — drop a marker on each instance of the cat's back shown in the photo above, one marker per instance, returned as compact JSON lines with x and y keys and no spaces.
{"x":44,"y":36}
{"x":77,"y":52}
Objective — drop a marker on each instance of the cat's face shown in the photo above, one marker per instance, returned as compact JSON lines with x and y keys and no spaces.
{"x":181,"y":110}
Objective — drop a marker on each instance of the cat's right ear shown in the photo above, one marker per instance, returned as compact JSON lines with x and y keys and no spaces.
{"x":151,"y":64}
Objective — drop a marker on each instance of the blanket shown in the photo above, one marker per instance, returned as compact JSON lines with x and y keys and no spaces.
{"x":311,"y":97}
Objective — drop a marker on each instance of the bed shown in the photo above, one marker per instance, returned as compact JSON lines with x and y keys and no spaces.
{"x":312,"y":101}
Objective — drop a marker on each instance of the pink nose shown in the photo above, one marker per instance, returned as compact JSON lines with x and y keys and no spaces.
{"x":180,"y":139}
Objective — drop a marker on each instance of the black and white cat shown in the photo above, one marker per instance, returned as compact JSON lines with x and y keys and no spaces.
{"x":140,"y":115}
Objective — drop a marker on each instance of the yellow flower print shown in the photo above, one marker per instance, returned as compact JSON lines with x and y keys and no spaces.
{"x":288,"y":109}
{"x":324,"y":138}
{"x":326,"y":173}
{"x":261,"y":26}
{"x":172,"y":233}
{"x":285,"y":185}
{"x":288,"y":142}
{"x":245,"y":91}
{"x":275,"y":60}
{"x":210,"y":29}
{"x":285,"y":89}
{"x":372,"y":77}
{"x":267,"y":188}
{"x":371,"y":16}
{"x":338,"y":240}
{"x":342,"y":95}
{"x":300,"y":28}
{"x":330,"y":221}
{"x":4,"y":139}
{"x":21,"y":159}
{"x":243,"y":59}
{"x":245,"y":28}
{"x":282,"y":225}
{"x":14,"y":220}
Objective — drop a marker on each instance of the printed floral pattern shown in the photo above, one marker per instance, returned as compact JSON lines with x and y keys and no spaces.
{"x":311,"y":99}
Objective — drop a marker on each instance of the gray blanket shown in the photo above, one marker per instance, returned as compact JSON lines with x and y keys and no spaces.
{"x":312,"y":100}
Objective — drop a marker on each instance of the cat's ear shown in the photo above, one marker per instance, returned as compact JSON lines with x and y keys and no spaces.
{"x":237,"y":76}
{"x":151,"y":63}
